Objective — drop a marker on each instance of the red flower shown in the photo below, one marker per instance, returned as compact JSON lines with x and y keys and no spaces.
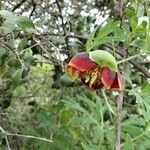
{"x":92,"y":75}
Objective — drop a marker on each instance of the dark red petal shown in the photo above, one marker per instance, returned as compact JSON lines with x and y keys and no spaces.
{"x":72,"y":72}
{"x":118,"y":83}
{"x":107,"y":77}
{"x":82,"y":62}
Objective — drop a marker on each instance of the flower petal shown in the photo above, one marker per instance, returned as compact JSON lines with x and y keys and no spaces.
{"x":107,"y":77}
{"x":82,"y":62}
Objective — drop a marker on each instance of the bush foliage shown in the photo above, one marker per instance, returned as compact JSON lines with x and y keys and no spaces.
{"x":37,"y":39}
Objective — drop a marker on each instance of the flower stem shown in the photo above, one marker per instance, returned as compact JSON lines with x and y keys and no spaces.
{"x":106,"y":100}
{"x":132,"y":57}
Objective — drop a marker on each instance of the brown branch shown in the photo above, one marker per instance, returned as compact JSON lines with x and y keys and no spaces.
{"x":18,"y":5}
{"x":140,"y":68}
{"x":118,"y":120}
{"x":119,"y":103}
{"x":120,"y":5}
{"x":70,"y":36}
{"x":33,"y":9}
{"x":63,"y":26}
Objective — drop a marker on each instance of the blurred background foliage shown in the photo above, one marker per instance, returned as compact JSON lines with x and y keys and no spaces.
{"x":37,"y":38}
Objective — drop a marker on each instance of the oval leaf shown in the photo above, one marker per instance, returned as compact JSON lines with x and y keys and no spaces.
{"x":104,"y":59}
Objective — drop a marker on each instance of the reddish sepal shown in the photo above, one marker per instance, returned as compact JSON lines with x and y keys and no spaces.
{"x":107,"y":77}
{"x":82,"y":62}
{"x":110,"y":79}
{"x":118,"y":83}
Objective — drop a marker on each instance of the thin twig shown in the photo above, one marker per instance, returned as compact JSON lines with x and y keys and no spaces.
{"x":7,"y":142}
{"x":33,"y":9}
{"x":56,"y":48}
{"x":9,"y":47}
{"x":69,"y":35}
{"x":130,"y":58}
{"x":26,"y":49}
{"x":29,"y":136}
{"x":24,"y":136}
{"x":63,"y":26}
{"x":18,"y":5}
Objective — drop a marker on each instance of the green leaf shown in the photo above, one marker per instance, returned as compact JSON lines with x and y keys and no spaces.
{"x":16,"y":78}
{"x":3,"y":70}
{"x":145,"y":91}
{"x":10,"y":21}
{"x":146,"y":115}
{"x":14,"y":62}
{"x":110,"y":32}
{"x":128,"y":143}
{"x":110,"y":27}
{"x":103,"y":40}
{"x":127,"y":78}
{"x":132,"y":130}
{"x":94,"y":108}
{"x":98,"y":134}
{"x":134,"y":22}
{"x":80,"y":121}
{"x":104,"y":59}
{"x":6,"y":14}
{"x":138,"y":8}
{"x":139,"y":99}
{"x":110,"y":138}
{"x":26,"y":25}
{"x":28,"y":59}
{"x":90,"y":146}
{"x":76,"y":106}
{"x":66,"y":115}
{"x":130,"y":12}
{"x":22,"y":44}
{"x":147,"y":45}
{"x":66,"y":80}
{"x":3,"y":54}
{"x":134,"y":120}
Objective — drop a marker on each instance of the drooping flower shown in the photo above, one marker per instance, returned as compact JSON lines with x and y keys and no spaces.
{"x":95,"y":69}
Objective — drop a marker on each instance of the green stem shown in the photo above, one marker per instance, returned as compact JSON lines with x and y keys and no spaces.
{"x":28,"y":48}
{"x":106,"y":100}
{"x":113,"y":45}
{"x":136,"y":138}
{"x":132,"y":57}
{"x":139,"y":136}
{"x":147,"y":29}
{"x":148,"y":13}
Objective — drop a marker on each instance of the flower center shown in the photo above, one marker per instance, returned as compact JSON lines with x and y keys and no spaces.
{"x":92,"y":77}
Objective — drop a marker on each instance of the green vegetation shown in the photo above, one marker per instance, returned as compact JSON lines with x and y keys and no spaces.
{"x":41,"y":108}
